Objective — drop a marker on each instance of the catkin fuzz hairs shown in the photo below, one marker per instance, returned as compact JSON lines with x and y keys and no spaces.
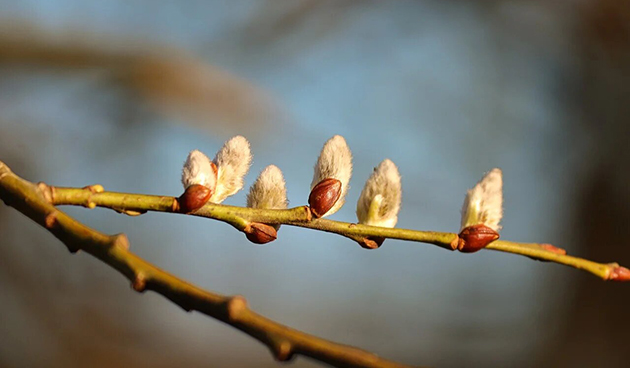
{"x":269,"y":190}
{"x":484,"y":202}
{"x":198,"y":169}
{"x":334,"y":162}
{"x":379,"y":202}
{"x":232,"y":161}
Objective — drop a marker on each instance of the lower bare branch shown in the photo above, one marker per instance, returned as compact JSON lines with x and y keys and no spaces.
{"x":284,"y":342}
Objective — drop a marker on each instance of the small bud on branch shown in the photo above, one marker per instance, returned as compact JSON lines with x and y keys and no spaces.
{"x":476,"y":237}
{"x":334,"y":162}
{"x":484,"y":202}
{"x":199,"y":177}
{"x":194,"y":198}
{"x":198,"y":169}
{"x":232,"y":161}
{"x":269,"y":190}
{"x":260,"y":233}
{"x":223,"y":176}
{"x":324,"y":196}
{"x":379,"y":201}
{"x":481,"y":213}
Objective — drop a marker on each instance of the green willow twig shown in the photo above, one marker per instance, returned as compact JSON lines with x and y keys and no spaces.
{"x":240,"y":217}
{"x":34,"y":200}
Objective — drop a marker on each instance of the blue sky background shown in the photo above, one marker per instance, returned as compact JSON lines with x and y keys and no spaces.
{"x":447,"y":90}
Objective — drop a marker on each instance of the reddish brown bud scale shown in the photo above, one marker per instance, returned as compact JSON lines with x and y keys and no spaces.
{"x":553,"y":249}
{"x":476,"y":237}
{"x":371,"y":242}
{"x":194,"y":198}
{"x":324,"y":196}
{"x":260,"y":233}
{"x":619,"y":274}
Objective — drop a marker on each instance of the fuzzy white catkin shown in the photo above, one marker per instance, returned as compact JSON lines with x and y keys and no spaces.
{"x":269,"y":190}
{"x":198,"y":170}
{"x":232,"y":161}
{"x":335,"y":161}
{"x":380,"y":198}
{"x":484,"y":202}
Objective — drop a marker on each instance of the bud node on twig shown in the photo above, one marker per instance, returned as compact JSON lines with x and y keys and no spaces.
{"x":94,"y":188}
{"x":259,"y":233}
{"x":371,"y":242}
{"x":47,"y":191}
{"x":231,"y":162}
{"x":139,"y":282}
{"x":51,"y":220}
{"x":379,"y":202}
{"x":194,"y":198}
{"x":235,"y":306}
{"x":323,"y":196}
{"x":282,"y":350}
{"x":476,"y":237}
{"x":121,"y":241}
{"x":334,"y":163}
{"x":553,"y":248}
{"x":484,"y":202}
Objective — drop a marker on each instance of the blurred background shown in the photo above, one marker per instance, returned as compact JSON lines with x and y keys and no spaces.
{"x":118,"y":92}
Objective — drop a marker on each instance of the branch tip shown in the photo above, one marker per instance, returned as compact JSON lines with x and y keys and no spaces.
{"x":619,"y":273}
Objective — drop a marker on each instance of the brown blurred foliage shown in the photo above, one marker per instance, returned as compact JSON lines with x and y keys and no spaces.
{"x":171,"y":80}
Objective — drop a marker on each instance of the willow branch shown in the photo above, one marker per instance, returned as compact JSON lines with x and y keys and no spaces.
{"x":240,"y":217}
{"x":34,"y":201}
